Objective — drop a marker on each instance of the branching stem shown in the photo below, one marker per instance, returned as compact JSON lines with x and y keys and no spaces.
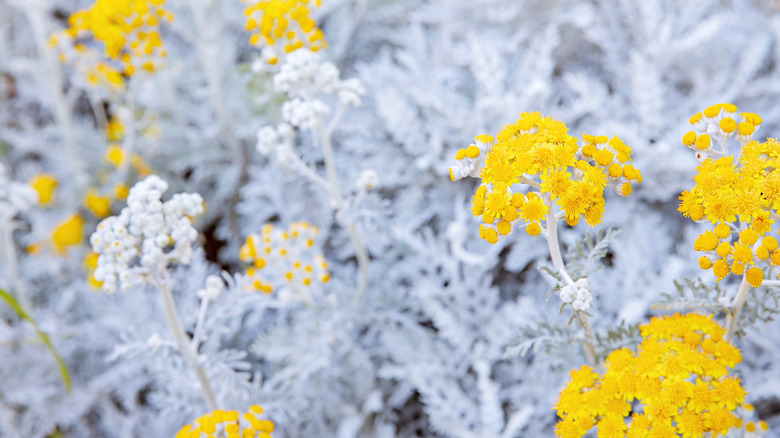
{"x":324,"y":138}
{"x":555,"y":254}
{"x":732,"y":320}
{"x":184,"y":347}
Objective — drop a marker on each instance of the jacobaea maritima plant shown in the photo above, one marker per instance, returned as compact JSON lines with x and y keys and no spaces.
{"x":567,"y":179}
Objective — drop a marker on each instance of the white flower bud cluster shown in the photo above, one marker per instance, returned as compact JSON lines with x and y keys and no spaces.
{"x":304,"y":75}
{"x":269,"y":138}
{"x":578,"y":295}
{"x":214,"y":287}
{"x":304,"y":113}
{"x":471,"y":160}
{"x":137,"y":246}
{"x":14,"y":197}
{"x":351,"y":92}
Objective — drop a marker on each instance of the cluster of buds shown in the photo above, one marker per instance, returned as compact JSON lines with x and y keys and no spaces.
{"x":716,"y":125}
{"x":746,"y":255}
{"x":578,"y":295}
{"x":284,"y":258}
{"x":129,"y":31}
{"x":137,"y":246}
{"x":302,"y":77}
{"x":285,"y":21}
{"x":537,"y":151}
{"x":271,"y":138}
{"x":214,"y":287}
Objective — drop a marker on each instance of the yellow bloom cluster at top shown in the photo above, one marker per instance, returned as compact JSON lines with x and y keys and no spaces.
{"x":538,"y":151}
{"x":287,"y":21}
{"x":716,"y":125}
{"x":740,"y":197}
{"x":128,"y":29}
{"x":679,"y":376}
{"x":229,"y":425}
{"x":284,"y":257}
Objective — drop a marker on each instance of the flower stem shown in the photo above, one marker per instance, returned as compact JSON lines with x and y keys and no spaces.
{"x":335,"y":190}
{"x":11,"y":261}
{"x":732,"y":320}
{"x":37,"y":15}
{"x":557,"y":259}
{"x":184,"y":347}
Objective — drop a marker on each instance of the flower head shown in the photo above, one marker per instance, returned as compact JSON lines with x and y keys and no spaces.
{"x":539,"y":152}
{"x":734,"y":194}
{"x":283,"y":21}
{"x":128,"y":32}
{"x":137,"y":245}
{"x":678,"y":378}
{"x":281,"y":257}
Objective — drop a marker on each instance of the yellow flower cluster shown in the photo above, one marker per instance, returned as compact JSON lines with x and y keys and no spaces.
{"x":737,"y":196}
{"x":284,"y":257}
{"x":679,"y":379}
{"x":538,"y":151}
{"x":229,"y":424}
{"x":716,"y":125}
{"x":129,"y":31}
{"x":287,"y":21}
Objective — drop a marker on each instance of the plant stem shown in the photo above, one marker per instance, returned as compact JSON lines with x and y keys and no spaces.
{"x":335,"y":191}
{"x":9,"y":252}
{"x":557,"y":259}
{"x":184,"y":347}
{"x":128,"y":141}
{"x":53,"y":78}
{"x":736,"y":306}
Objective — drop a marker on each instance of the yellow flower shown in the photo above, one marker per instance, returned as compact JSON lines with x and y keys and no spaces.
{"x":115,"y":154}
{"x":495,"y":204}
{"x":100,"y":206}
{"x":68,"y":232}
{"x":121,"y":191}
{"x":556,"y":182}
{"x":115,"y":130}
{"x":44,"y":184}
{"x":534,"y":209}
